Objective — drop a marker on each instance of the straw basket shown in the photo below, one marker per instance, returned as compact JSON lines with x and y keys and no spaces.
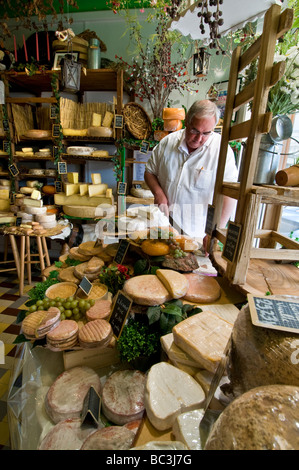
{"x":137,"y":121}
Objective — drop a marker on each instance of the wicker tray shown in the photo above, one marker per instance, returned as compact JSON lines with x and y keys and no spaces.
{"x":137,"y":121}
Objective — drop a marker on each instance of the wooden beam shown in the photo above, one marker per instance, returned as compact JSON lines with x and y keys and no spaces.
{"x":272,"y":253}
{"x":33,"y":99}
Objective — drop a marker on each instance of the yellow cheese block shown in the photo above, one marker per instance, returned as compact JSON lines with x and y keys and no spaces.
{"x":109,"y":192}
{"x":83,"y":189}
{"x":70,"y":189}
{"x":4,"y":205}
{"x":61,"y":199}
{"x":96,"y":178}
{"x":75,"y":132}
{"x":4,"y":193}
{"x":97,"y":189}
{"x":28,"y":201}
{"x":96,"y":119}
{"x":36,"y":194}
{"x":204,"y":337}
{"x":108,"y":118}
{"x":73,"y":177}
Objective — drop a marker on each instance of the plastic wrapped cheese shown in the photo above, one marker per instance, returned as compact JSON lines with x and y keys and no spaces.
{"x":174,"y":113}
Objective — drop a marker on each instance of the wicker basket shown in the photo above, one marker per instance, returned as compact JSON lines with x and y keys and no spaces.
{"x":137,"y":121}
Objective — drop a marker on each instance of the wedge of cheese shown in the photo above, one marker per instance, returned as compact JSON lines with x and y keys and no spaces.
{"x":4,"y":193}
{"x":96,"y":178}
{"x":96,"y":119}
{"x":97,"y":189}
{"x":186,"y":428}
{"x":176,"y":354}
{"x":176,"y":283}
{"x":108,"y":118}
{"x":146,"y":289}
{"x":71,"y":188}
{"x":29,"y":201}
{"x":73,"y":177}
{"x":83,"y":189}
{"x":168,"y":393}
{"x":36,"y":194}
{"x":204,"y":337}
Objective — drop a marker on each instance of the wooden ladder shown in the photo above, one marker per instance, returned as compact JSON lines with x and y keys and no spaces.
{"x":249,"y":197}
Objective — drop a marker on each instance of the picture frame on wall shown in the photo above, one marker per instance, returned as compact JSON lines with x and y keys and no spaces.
{"x":61,"y":55}
{"x":220,"y":101}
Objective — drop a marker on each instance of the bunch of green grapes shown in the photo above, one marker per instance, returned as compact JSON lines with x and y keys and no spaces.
{"x":176,"y":250}
{"x":70,"y":308}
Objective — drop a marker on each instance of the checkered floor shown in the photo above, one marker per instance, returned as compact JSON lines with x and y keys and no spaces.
{"x":10,"y":305}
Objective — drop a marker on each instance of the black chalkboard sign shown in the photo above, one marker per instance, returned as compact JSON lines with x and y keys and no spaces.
{"x":5,"y":125}
{"x":55,"y":130}
{"x":144,"y":147}
{"x":6,"y":146}
{"x":62,"y":168}
{"x":231,"y":242}
{"x":58,"y":186}
{"x":91,"y":410}
{"x":274,"y":312}
{"x":121,"y":188}
{"x":210,"y":219}
{"x":13,"y":169}
{"x":18,"y":221}
{"x":121,"y":251}
{"x":85,"y":285}
{"x":120,"y":310}
{"x":53,"y":111}
{"x":118,"y":121}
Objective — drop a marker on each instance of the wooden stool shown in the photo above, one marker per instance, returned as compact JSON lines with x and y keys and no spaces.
{"x":16,"y":256}
{"x":27,"y":258}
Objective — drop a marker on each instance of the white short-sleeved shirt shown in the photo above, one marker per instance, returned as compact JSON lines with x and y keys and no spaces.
{"x":188,"y":180}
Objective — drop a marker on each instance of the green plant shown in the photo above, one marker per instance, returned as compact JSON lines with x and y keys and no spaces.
{"x":166,"y":316}
{"x":137,"y":340}
{"x":38,"y":291}
{"x":114,"y":277}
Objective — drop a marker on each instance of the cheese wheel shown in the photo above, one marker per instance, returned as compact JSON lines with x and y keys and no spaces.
{"x":146,"y":289}
{"x":174,"y":113}
{"x":100,"y":131}
{"x":171,"y":125}
{"x":202,"y":289}
{"x":158,"y":135}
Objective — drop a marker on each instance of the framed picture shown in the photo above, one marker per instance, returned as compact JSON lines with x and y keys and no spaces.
{"x":61,"y":55}
{"x":221,"y":89}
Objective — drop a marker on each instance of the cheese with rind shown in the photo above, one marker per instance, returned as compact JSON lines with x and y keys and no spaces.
{"x":176,"y":283}
{"x":71,"y":188}
{"x":61,"y":199}
{"x":73,"y":177}
{"x":146,"y":289}
{"x":169,"y":392}
{"x":186,"y":428}
{"x":96,"y":178}
{"x":97,"y":189}
{"x":204,"y":337}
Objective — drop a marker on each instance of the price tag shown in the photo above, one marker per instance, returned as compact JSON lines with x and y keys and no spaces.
{"x":62,"y":168}
{"x":18,"y":221}
{"x":231,"y":242}
{"x":5,"y":125}
{"x":6,"y":146}
{"x":53,"y":111}
{"x":120,"y":310}
{"x":210,"y":218}
{"x":58,"y":186}
{"x":55,"y":130}
{"x":144,"y":147}
{"x":13,"y":169}
{"x":85,"y":285}
{"x":91,"y":408}
{"x":121,"y":251}
{"x":118,"y":121}
{"x":121,"y":188}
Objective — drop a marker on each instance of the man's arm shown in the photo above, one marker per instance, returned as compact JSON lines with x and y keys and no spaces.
{"x":228,"y":207}
{"x":159,"y":196}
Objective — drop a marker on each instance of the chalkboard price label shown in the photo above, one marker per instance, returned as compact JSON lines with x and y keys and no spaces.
{"x":53,"y":111}
{"x":55,"y":130}
{"x":58,"y":186}
{"x":121,"y":251}
{"x":62,"y":168}
{"x":231,"y":242}
{"x":6,"y":146}
{"x":121,"y":188}
{"x":18,"y":221}
{"x":5,"y":125}
{"x":144,"y":147}
{"x":120,"y":311}
{"x":210,"y":219}
{"x":13,"y":169}
{"x":85,"y":285}
{"x":118,"y":121}
{"x":91,"y":408}
{"x":274,"y":312}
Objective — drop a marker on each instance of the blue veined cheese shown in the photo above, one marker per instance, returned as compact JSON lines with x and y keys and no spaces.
{"x":169,"y":392}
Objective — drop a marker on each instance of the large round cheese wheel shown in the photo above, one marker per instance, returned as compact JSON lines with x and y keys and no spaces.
{"x":174,"y":113}
{"x":66,"y":435}
{"x":110,"y":438}
{"x":171,"y":125}
{"x":100,"y":131}
{"x":260,"y":356}
{"x":66,"y":395}
{"x":202,"y":289}
{"x":123,"y":396}
{"x":264,"y":418}
{"x":146,"y":289}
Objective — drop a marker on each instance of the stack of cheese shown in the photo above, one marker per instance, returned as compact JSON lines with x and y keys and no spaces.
{"x":101,"y":126}
{"x":173,"y":121}
{"x":6,"y":215}
{"x":33,"y":212}
{"x":82,"y":199}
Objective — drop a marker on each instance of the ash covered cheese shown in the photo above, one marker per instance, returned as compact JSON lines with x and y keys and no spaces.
{"x":169,"y":392}
{"x":204,"y":337}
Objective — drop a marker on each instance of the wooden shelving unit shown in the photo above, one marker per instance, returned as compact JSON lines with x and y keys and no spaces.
{"x":249,"y":267}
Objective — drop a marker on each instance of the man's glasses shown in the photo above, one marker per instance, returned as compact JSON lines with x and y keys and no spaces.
{"x":198,"y":133}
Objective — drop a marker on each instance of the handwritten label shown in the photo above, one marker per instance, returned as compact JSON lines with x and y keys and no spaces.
{"x":274,"y":312}
{"x":144,"y":147}
{"x":53,"y":111}
{"x":13,"y":169}
{"x":231,"y":242}
{"x":62,"y":168}
{"x":210,"y":219}
{"x":121,"y":251}
{"x":6,"y":146}
{"x":55,"y":130}
{"x":120,"y":310}
{"x":58,"y":186}
{"x":121,"y":188}
{"x":85,"y":285}
{"x":118,"y":121}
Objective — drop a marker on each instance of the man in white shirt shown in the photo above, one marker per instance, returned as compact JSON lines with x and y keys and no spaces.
{"x":182,"y":169}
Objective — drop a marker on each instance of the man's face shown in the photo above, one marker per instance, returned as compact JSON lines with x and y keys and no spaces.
{"x":198,"y":132}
